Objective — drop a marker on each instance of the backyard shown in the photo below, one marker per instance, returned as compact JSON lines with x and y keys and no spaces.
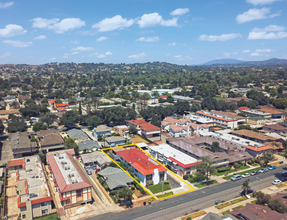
{"x":138,"y":139}
{"x":159,"y":188}
{"x":49,"y":217}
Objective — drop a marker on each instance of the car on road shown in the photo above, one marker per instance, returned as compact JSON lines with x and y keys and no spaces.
{"x":263,"y":170}
{"x":276,"y":182}
{"x":243,"y":193}
{"x":89,"y":172}
{"x":253,"y":173}
{"x":283,"y":178}
{"x":284,"y":174}
{"x":272,"y":167}
{"x":245,"y":175}
{"x":236,"y":177}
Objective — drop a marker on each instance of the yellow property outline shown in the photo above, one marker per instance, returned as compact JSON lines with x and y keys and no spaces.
{"x":153,"y":159}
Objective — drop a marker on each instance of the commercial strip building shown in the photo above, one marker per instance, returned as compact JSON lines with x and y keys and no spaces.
{"x":144,"y":167}
{"x":70,"y":181}
{"x":254,"y":136}
{"x":34,"y":196}
{"x":177,"y":161}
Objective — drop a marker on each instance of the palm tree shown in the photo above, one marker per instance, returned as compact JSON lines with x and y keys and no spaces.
{"x":245,"y":186}
{"x":206,"y":168}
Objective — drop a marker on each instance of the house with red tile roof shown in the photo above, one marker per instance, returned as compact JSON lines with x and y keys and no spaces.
{"x":149,"y":131}
{"x":144,"y":167}
{"x":258,"y":151}
{"x":34,"y":198}
{"x":63,"y":105}
{"x":68,"y":178}
{"x":179,"y":131}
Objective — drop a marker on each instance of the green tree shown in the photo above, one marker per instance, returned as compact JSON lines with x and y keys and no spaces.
{"x":125,"y":193}
{"x":70,"y":143}
{"x":195,"y":107}
{"x":169,"y":99}
{"x":245,"y":185}
{"x":48,"y":118}
{"x":214,"y":146}
{"x":268,"y":156}
{"x":262,"y":198}
{"x":133,"y":130}
{"x":43,"y":158}
{"x":1,"y":127}
{"x":206,"y":168}
{"x":70,"y":118}
{"x":16,"y":124}
{"x":93,"y":121}
{"x":100,"y":137}
{"x":277,"y":205}
{"x":38,"y":126}
{"x":182,"y":107}
{"x":80,"y":108}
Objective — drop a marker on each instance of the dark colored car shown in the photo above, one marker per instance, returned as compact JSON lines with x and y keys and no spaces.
{"x":283,"y":178}
{"x":284,"y":174}
{"x":249,"y":191}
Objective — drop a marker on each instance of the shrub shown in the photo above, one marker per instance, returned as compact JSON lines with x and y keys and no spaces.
{"x":149,"y":183}
{"x":185,"y":177}
{"x":112,"y":193}
{"x":223,"y":169}
{"x":188,"y":218}
{"x":166,"y":182}
{"x":237,"y":166}
{"x":106,"y":186}
{"x":133,"y":187}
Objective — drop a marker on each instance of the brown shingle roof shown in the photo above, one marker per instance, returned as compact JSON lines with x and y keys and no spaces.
{"x":49,"y":137}
{"x":253,"y":135}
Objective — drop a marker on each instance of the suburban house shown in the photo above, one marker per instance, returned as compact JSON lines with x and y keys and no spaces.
{"x":62,"y":105}
{"x":71,"y":183}
{"x":114,"y":141}
{"x":10,"y":98}
{"x":78,"y":135}
{"x":4,"y":114}
{"x":88,"y":146}
{"x":33,"y":194}
{"x":167,"y":122}
{"x":50,"y":140}
{"x":149,"y":131}
{"x":136,"y":123}
{"x":196,"y":128}
{"x":115,"y":178}
{"x":102,"y":130}
{"x":179,"y":131}
{"x":98,"y":158}
{"x":177,"y":161}
{"x":121,"y":129}
{"x":144,"y":167}
{"x":21,"y":144}
{"x":275,"y":113}
{"x":258,"y":151}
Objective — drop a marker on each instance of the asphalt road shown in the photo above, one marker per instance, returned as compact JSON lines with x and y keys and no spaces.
{"x":190,"y":202}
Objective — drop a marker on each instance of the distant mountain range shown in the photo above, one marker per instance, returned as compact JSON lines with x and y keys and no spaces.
{"x":234,"y":62}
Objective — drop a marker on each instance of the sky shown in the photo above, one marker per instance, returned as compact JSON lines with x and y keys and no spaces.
{"x":183,"y":32}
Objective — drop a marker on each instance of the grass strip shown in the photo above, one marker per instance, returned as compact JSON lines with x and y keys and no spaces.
{"x":206,"y":184}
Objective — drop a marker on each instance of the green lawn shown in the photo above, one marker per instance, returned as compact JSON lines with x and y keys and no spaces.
{"x":49,"y":217}
{"x":158,"y":188}
{"x":249,"y":171}
{"x":205,"y":184}
{"x":225,"y":212}
{"x":165,"y":195}
{"x":231,"y":171}
{"x":238,"y":207}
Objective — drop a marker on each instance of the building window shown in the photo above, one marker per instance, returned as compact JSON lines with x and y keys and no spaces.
{"x":45,"y":211}
{"x":43,"y":204}
{"x":79,"y":193}
{"x":23,"y":216}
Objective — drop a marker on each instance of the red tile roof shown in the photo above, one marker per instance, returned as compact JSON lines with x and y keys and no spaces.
{"x":163,"y":96}
{"x":257,"y":149}
{"x":171,"y":120}
{"x":148,"y":127}
{"x":140,"y":161}
{"x":243,"y":108}
{"x":62,"y":104}
{"x":61,"y":109}
{"x":137,"y":121}
{"x":177,"y":128}
{"x":213,"y":116}
{"x":15,"y":163}
{"x":60,"y":179}
{"x":52,"y":101}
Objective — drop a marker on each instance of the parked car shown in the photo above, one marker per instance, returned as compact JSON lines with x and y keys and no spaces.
{"x":236,"y":177}
{"x":243,"y":193}
{"x":245,"y":175}
{"x":276,"y":182}
{"x":284,"y":174}
{"x":94,"y":166}
{"x":283,"y":178}
{"x":263,"y":170}
{"x":253,"y":173}
{"x":272,"y":167}
{"x":89,"y":172}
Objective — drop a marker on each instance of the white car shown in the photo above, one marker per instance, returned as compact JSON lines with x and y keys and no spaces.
{"x":246,"y":175}
{"x":276,"y":182}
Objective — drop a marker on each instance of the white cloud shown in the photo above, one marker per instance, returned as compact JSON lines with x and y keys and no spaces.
{"x":255,"y":54}
{"x":41,"y":37}
{"x":81,"y":48}
{"x":4,"y":55}
{"x":99,"y":55}
{"x":66,"y":55}
{"x":138,"y":56}
{"x":179,"y":11}
{"x":223,"y":37}
{"x":263,"y":51}
{"x":235,"y":53}
{"x":245,"y":51}
{"x":153,"y":19}
{"x":54,"y":58}
{"x":180,"y":57}
{"x":56,"y":25}
{"x":255,"y":14}
{"x":177,"y":56}
{"x":101,"y":39}
{"x":172,"y":44}
{"x":266,"y":36}
{"x":169,"y":54}
{"x":269,"y":28}
{"x":74,"y":42}
{"x":114,"y":23}
{"x":227,"y":54}
{"x":17,"y":43}
{"x":6,"y":4}
{"x":148,"y":39}
{"x":11,"y":30}
{"x":261,"y":2}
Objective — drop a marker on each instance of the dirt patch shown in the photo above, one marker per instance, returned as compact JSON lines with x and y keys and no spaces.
{"x":12,"y":206}
{"x":138,"y":193}
{"x":11,"y":181}
{"x":141,"y":202}
{"x":138,"y":139}
{"x":11,"y":191}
